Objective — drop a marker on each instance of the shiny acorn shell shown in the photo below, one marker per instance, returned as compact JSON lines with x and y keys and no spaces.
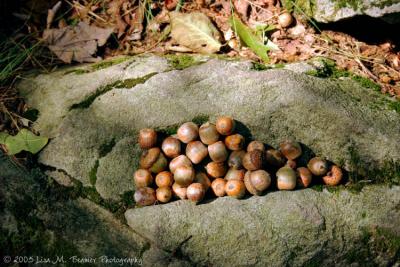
{"x":147,"y":138}
{"x":208,"y":133}
{"x":225,"y":125}
{"x":179,"y":191}
{"x":216,"y":169}
{"x":218,"y":187}
{"x":255,"y":145}
{"x":235,"y":188}
{"x":196,"y":151}
{"x":234,"y":142}
{"x":257,"y":181}
{"x":274,"y":158}
{"x":291,"y":164}
{"x":164,"y":179}
{"x":334,"y":176}
{"x":203,"y":179}
{"x":290,"y":149}
{"x":234,"y":174}
{"x":188,"y":132}
{"x":145,"y":196}
{"x":218,"y":152}
{"x":164,"y":194}
{"x":179,"y":161}
{"x":286,"y":178}
{"x":142,"y":178}
{"x":171,"y":147}
{"x":154,"y":160}
{"x":304,"y":177}
{"x":235,"y":159}
{"x":318,"y":166}
{"x":253,"y":160}
{"x":184,"y":175}
{"x":285,"y":19}
{"x":195,"y":192}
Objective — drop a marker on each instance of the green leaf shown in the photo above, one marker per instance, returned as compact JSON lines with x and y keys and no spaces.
{"x":24,"y":140}
{"x":195,"y":31}
{"x":251,"y":40}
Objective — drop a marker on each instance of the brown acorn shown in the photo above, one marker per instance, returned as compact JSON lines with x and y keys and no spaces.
{"x":285,"y":19}
{"x":164,"y":179}
{"x":253,"y":160}
{"x":164,"y":194}
{"x":236,"y":158}
{"x":196,"y":151}
{"x":235,"y":188}
{"x":274,"y":158}
{"x":334,"y":176}
{"x":218,"y":187}
{"x":154,"y":160}
{"x":208,"y":133}
{"x":179,"y":161}
{"x":291,"y":164}
{"x":234,"y":174}
{"x":225,"y":125}
{"x":318,"y":166}
{"x":218,"y":151}
{"x":188,"y":132}
{"x":171,"y":147}
{"x":286,"y":178}
{"x":216,"y":169}
{"x":145,"y":196}
{"x":203,"y":179}
{"x":184,"y":175}
{"x":255,"y":145}
{"x":234,"y":142}
{"x":304,"y":177}
{"x":142,"y":178}
{"x":195,"y":192}
{"x":290,"y":149}
{"x":179,"y":191}
{"x":257,"y":181}
{"x":147,"y":138}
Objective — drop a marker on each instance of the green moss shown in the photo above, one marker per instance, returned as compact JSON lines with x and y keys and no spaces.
{"x":93,"y":173}
{"x":200,"y":119}
{"x":354,"y":4}
{"x":108,"y":63}
{"x":365,"y":82}
{"x":106,"y":148}
{"x":384,"y":3}
{"x":181,"y":62}
{"x":394,"y":105}
{"x":77,"y":71}
{"x":318,"y":187}
{"x":128,"y":83}
{"x":260,"y":67}
{"x":167,"y":131}
{"x":302,"y":7}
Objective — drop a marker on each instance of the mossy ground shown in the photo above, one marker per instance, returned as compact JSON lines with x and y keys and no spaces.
{"x":180,"y":62}
{"x":98,"y":66}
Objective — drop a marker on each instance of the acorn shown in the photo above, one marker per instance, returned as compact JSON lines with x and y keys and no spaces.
{"x":253,"y":160}
{"x":188,"y":132}
{"x":142,"y":178}
{"x":285,"y":19}
{"x":216,"y":169}
{"x":235,"y":188}
{"x":180,"y":160}
{"x":334,"y":176}
{"x":147,"y":138}
{"x":208,"y":133}
{"x":203,"y":179}
{"x":290,"y":149}
{"x":225,"y":125}
{"x":234,"y":174}
{"x":218,"y":151}
{"x":236,"y":158}
{"x":304,"y":177}
{"x":234,"y":142}
{"x":291,"y":164}
{"x":164,"y":179}
{"x":164,"y":194}
{"x":255,"y":145}
{"x":286,"y":178}
{"x":257,"y":181}
{"x":318,"y":166}
{"x":184,"y":175}
{"x":145,"y":196}
{"x":179,"y":191}
{"x":218,"y":187}
{"x":196,"y":151}
{"x":171,"y":147}
{"x":195,"y":192}
{"x":154,"y":160}
{"x":274,"y":158}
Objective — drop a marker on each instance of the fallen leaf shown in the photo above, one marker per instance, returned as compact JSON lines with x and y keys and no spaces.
{"x":24,"y":140}
{"x":76,"y":43}
{"x":251,"y":40}
{"x":195,"y":31}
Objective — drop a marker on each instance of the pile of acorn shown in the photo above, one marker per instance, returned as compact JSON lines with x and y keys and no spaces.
{"x":186,"y":167}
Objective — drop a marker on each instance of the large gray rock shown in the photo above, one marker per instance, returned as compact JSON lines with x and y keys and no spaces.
{"x":340,"y":120}
{"x":334,"y":10}
{"x":300,"y":228}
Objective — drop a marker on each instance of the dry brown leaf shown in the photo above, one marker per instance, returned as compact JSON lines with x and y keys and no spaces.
{"x":76,"y":43}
